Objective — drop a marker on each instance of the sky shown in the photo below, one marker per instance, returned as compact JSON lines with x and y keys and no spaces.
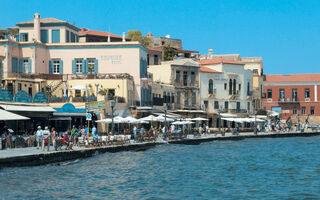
{"x":286,"y":33}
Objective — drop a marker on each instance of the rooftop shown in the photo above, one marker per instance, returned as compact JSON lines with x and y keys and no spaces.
{"x":276,"y":78}
{"x":218,"y":61}
{"x":44,"y":20}
{"x":85,"y":31}
{"x":208,"y":70}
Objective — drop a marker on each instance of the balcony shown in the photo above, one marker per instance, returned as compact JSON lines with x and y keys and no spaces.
{"x":288,"y":100}
{"x":238,"y":110}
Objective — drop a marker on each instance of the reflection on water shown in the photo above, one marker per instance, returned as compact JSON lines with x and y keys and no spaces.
{"x":282,"y":168}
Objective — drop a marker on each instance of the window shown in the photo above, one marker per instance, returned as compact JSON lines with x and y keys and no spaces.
{"x":269,"y":93}
{"x":193,"y":77}
{"x":226,"y":105}
{"x":234,"y":86}
{"x":164,"y":97}
{"x":210,"y":86}
{"x":55,"y":36}
{"x":238,"y":105}
{"x":225,"y":86}
{"x":25,"y":64}
{"x":19,"y":86}
{"x":79,"y":66}
{"x":172,"y":97}
{"x":178,"y":76}
{"x":67,"y":36}
{"x":239,"y":86}
{"x":44,"y":36}
{"x":156,"y":60}
{"x":194,"y":98}
{"x":294,"y":110}
{"x":14,"y":65}
{"x":77,"y":93}
{"x":186,"y":99}
{"x":248,"y":89}
{"x":24,"y":37}
{"x":30,"y":91}
{"x":178,"y":97}
{"x":230,"y":86}
{"x":281,"y":94}
{"x":185,"y":78}
{"x":56,"y":66}
{"x":303,"y":110}
{"x":307,"y":93}
{"x":111,"y":94}
{"x":294,"y":94}
{"x":248,"y":106}
{"x":312,"y":110}
{"x":91,"y":63}
{"x":216,"y":104}
{"x":148,"y":58}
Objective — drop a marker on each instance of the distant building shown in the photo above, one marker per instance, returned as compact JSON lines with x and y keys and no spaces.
{"x":294,"y":96}
{"x":183,"y":74}
{"x":86,"y":35}
{"x":225,"y":87}
{"x":255,"y":64}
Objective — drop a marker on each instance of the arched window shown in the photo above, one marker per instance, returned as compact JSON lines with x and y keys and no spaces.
{"x":230,"y":86}
{"x":234,"y":86}
{"x":210,"y":86}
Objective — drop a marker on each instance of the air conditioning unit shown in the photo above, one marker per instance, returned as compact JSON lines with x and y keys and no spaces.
{"x":269,"y":100}
{"x":307,"y":99}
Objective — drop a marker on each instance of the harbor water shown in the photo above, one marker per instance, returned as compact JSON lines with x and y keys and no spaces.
{"x":270,"y":168}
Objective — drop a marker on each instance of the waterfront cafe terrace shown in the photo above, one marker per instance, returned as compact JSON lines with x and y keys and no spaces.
{"x":35,"y":110}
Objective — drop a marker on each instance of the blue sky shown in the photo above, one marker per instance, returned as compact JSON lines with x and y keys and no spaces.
{"x":286,"y":33}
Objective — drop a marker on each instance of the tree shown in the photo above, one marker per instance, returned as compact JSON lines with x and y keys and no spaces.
{"x":168,"y":52}
{"x":136,"y":35}
{"x":8,"y":32}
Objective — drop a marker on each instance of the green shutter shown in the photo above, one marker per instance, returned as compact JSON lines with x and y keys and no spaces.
{"x":84,"y":66}
{"x":14,"y":65}
{"x":44,"y":36}
{"x":29,"y":65}
{"x":96,"y":66}
{"x":50,"y":67}
{"x":67,"y":36}
{"x":55,"y":36}
{"x":61,"y":67}
{"x":21,"y":70}
{"x":74,"y":66}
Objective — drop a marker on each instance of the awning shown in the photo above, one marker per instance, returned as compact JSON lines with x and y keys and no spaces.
{"x":227,"y":115}
{"x":28,"y":108}
{"x":5,"y":115}
{"x":61,"y":119}
{"x":69,"y":114}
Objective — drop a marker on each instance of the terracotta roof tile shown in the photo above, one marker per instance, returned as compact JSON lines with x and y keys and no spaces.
{"x":44,"y":20}
{"x":84,"y":31}
{"x":218,"y":61}
{"x":292,"y":78}
{"x":208,"y":70}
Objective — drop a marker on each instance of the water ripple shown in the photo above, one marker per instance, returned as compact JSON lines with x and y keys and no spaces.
{"x":284,"y":168}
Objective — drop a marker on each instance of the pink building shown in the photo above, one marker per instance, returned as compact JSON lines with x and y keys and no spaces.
{"x":51,"y":46}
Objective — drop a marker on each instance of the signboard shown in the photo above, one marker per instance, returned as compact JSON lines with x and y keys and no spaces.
{"x":5,"y":95}
{"x":22,"y":96}
{"x":96,"y":105}
{"x":40,"y":97}
{"x":88,"y":116}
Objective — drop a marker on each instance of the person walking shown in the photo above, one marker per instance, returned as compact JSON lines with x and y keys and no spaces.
{"x":53,"y":137}
{"x":39,"y":137}
{"x":135,"y":132}
{"x":46,"y":138}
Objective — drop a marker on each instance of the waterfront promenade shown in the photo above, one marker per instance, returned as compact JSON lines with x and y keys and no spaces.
{"x":32,"y":156}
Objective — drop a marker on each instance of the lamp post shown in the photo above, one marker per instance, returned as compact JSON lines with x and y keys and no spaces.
{"x":165,"y":108}
{"x":112,"y":104}
{"x":219,"y":111}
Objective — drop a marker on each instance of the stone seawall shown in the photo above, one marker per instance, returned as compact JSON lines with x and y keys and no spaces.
{"x":67,"y":155}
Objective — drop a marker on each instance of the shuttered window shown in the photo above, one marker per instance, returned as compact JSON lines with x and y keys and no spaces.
{"x":55,"y":36}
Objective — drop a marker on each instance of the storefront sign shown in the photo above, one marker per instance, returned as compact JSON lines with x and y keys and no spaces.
{"x":22,"y":96}
{"x":5,"y":95}
{"x":96,"y":105}
{"x":40,"y":97}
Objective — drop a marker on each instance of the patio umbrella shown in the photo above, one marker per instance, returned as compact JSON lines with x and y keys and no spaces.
{"x":199,"y":119}
{"x":162,"y":119}
{"x":149,"y":118}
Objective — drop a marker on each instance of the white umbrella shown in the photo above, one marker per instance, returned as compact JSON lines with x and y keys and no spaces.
{"x":104,"y":120}
{"x":199,"y":119}
{"x":177,"y":122}
{"x":149,"y":118}
{"x":162,"y":119}
{"x":143,"y":122}
{"x":131,"y":120}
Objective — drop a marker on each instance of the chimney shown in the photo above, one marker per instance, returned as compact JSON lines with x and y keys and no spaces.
{"x":210,"y":52}
{"x":36,"y":27}
{"x":123,"y":37}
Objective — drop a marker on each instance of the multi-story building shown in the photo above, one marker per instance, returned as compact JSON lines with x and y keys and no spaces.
{"x":294,"y":96}
{"x":183,"y":74}
{"x":51,"y":47}
{"x":225,"y":86}
{"x":255,"y":64}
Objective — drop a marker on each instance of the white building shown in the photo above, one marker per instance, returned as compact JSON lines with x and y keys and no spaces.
{"x":225,"y":86}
